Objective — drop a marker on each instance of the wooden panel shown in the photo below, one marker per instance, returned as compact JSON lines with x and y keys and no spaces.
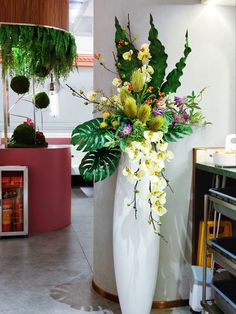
{"x":53,"y":13}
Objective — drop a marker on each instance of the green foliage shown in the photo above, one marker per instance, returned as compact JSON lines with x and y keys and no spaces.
{"x":159,"y":56}
{"x":35,"y":51}
{"x":41,"y":100}
{"x":172,"y":81}
{"x":20,"y":84}
{"x":125,"y":68}
{"x":89,"y":136}
{"x":23,"y":134}
{"x":176,"y":132}
{"x":99,"y":164}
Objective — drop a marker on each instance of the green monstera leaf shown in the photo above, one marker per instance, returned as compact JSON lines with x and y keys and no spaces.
{"x":125,"y":68}
{"x":89,"y":136}
{"x":159,"y":56}
{"x":172,"y":80}
{"x":99,"y":164}
{"x":177,"y":132}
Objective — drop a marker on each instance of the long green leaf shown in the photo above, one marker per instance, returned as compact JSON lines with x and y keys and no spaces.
{"x":159,"y":56}
{"x":89,"y":136}
{"x":172,"y":81}
{"x":125,"y":68}
{"x":177,"y":132}
{"x":99,"y":164}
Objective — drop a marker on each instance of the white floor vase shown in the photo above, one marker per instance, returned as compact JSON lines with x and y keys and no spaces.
{"x":135,"y":246}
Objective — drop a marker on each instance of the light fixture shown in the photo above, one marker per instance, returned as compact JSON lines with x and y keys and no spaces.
{"x":54,"y":100}
{"x":219,"y":2}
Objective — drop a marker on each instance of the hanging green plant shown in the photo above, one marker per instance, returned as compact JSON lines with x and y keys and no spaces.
{"x":35,"y":51}
{"x":41,"y":100}
{"x":20,"y":84}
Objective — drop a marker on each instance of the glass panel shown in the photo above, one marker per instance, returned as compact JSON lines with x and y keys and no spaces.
{"x":12,"y":201}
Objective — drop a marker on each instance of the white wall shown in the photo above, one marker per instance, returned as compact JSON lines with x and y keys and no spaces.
{"x":212,"y":65}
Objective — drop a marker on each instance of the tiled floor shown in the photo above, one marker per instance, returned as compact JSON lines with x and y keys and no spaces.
{"x":51,"y":273}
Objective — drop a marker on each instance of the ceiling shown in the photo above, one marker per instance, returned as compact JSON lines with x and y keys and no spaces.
{"x":81,"y":17}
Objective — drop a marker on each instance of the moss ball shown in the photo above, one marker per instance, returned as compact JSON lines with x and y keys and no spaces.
{"x":41,"y":71}
{"x":41,"y":100}
{"x":20,"y":84}
{"x":24,"y":134}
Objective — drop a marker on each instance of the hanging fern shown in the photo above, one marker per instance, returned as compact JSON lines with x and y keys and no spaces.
{"x":35,"y":51}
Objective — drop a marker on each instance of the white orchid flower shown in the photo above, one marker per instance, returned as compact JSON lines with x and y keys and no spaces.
{"x":92,"y":96}
{"x":153,"y":136}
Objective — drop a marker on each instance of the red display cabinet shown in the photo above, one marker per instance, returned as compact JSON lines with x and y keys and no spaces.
{"x":13,"y":201}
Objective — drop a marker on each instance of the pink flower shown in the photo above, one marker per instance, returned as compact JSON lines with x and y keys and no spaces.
{"x":30,"y":122}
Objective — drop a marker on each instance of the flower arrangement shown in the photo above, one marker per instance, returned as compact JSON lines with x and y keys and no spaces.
{"x":139,"y":118}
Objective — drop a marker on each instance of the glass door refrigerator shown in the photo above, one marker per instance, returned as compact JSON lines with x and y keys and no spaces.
{"x":13,"y":201}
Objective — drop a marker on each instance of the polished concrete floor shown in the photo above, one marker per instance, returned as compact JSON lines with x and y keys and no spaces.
{"x":51,"y":273}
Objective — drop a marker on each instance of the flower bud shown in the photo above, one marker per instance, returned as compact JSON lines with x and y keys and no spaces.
{"x":137,"y":81}
{"x":130,"y":107}
{"x":144,"y":113}
{"x":156,"y":123}
{"x":123,"y":95}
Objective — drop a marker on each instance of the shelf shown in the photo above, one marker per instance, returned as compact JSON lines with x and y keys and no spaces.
{"x":223,"y":261}
{"x":225,"y":208}
{"x":211,"y":307}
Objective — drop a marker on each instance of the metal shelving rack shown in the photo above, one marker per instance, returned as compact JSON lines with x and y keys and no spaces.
{"x":229,"y":210}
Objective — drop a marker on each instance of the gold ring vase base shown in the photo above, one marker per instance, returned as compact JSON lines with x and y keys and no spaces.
{"x":155,"y":305}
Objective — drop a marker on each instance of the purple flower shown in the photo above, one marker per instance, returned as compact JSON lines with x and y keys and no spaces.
{"x":185,"y":116}
{"x":127,"y":129}
{"x":158,"y":111}
{"x":177,"y":117}
{"x":181,"y":117}
{"x":180,"y":101}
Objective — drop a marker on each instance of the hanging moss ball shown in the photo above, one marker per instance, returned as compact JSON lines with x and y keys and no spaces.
{"x":20,"y":84}
{"x":24,"y":134}
{"x":41,"y":71}
{"x":41,"y":100}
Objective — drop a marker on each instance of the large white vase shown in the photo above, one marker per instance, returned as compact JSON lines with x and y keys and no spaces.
{"x":135,"y":246}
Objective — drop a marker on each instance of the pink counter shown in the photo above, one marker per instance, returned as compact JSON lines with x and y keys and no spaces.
{"x":49,"y":184}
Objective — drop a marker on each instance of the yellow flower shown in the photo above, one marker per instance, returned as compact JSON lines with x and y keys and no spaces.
{"x":130,"y":107}
{"x":104,"y":101}
{"x":103,"y":124}
{"x":159,"y":185}
{"x":153,"y":136}
{"x":127,"y":172}
{"x":159,"y":209}
{"x":169,"y":155}
{"x":124,"y":93}
{"x":137,"y":81}
{"x":116,"y":82}
{"x":115,"y":123}
{"x":144,"y":113}
{"x":144,"y":53}
{"x":127,"y":55}
{"x":92,"y":96}
{"x":106,"y":114}
{"x":156,"y":123}
{"x":162,"y":146}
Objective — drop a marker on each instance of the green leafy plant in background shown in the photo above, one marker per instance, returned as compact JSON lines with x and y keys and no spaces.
{"x":35,"y":51}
